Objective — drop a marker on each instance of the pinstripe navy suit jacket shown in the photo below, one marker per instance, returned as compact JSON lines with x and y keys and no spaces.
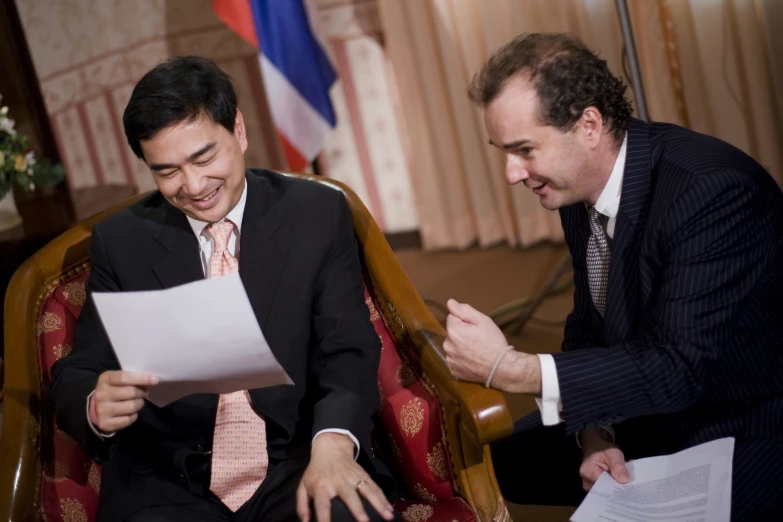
{"x":691,"y":343}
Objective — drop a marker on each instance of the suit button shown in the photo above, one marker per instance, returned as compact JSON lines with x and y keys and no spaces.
{"x":199,"y":448}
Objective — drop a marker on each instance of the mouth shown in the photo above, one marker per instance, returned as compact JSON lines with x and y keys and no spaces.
{"x":207,"y":201}
{"x":539,"y":189}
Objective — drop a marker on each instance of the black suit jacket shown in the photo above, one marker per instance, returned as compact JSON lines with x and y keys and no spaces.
{"x":691,"y":345}
{"x":299,"y":263}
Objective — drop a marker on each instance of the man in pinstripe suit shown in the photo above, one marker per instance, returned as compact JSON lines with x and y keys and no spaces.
{"x":676,"y":337}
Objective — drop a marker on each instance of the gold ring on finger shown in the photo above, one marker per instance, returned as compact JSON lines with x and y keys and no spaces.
{"x":360,"y":484}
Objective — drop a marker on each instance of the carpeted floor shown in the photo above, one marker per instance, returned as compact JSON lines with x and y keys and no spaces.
{"x":488,"y":279}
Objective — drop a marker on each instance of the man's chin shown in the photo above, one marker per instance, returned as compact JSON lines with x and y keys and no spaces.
{"x":549,"y":202}
{"x":212,"y":215}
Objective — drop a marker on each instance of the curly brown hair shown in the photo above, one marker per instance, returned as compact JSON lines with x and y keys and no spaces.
{"x":567,"y":76}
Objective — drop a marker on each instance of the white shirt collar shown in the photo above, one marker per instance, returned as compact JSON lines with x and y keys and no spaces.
{"x":235,"y":216}
{"x":608,"y":202}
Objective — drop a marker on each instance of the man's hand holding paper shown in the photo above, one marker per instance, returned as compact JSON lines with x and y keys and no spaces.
{"x":177,"y":343}
{"x":118,"y":398}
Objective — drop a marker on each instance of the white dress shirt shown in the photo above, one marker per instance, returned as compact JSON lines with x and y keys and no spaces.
{"x":608,"y":203}
{"x":206,"y":247}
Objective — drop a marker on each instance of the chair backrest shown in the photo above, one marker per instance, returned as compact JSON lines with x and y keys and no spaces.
{"x":43,"y":471}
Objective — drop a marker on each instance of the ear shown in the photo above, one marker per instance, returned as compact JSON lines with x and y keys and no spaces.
{"x":240,"y":132}
{"x":593,"y":127}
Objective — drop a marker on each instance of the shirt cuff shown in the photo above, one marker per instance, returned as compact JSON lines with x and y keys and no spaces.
{"x":549,"y":403}
{"x":342,"y":432}
{"x":101,"y":435}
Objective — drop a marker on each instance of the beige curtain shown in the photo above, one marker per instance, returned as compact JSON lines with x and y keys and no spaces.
{"x":711,"y":65}
{"x":718,"y":82}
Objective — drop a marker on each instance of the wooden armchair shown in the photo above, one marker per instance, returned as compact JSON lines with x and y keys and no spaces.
{"x":432,"y":430}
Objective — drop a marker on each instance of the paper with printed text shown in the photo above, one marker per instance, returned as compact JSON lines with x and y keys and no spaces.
{"x":693,"y":485}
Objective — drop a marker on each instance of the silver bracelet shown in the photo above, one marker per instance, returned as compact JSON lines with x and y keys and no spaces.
{"x":497,"y":363}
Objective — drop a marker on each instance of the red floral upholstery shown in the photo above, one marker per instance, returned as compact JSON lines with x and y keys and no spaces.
{"x":413,"y":422}
{"x":70,"y":480}
{"x":410,"y":414}
{"x":452,"y":509}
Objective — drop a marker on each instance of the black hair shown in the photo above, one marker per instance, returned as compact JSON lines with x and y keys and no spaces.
{"x":181,"y":89}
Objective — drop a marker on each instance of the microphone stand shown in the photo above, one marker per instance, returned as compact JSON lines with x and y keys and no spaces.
{"x":629,"y":50}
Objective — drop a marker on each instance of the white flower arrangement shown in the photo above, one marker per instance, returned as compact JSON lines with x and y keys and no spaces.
{"x":18,"y":163}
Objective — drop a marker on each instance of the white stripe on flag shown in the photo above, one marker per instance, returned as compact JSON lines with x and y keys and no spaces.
{"x":299,"y":122}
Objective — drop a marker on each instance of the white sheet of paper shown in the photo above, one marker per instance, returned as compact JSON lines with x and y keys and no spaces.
{"x":201,"y":337}
{"x":693,"y":485}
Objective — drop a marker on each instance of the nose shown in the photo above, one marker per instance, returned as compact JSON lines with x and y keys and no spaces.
{"x":515,"y":169}
{"x":194,"y":183}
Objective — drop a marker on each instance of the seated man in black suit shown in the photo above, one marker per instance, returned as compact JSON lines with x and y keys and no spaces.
{"x":676,"y":337}
{"x":278,"y":453}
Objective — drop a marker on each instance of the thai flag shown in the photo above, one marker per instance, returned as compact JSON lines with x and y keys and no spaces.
{"x":296,"y":70}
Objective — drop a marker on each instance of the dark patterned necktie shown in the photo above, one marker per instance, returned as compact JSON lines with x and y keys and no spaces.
{"x":598,"y":256}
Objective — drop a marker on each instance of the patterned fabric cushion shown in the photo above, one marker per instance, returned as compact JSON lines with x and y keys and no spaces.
{"x":447,"y":510}
{"x":412,"y":420}
{"x":409,"y":412}
{"x":70,"y":480}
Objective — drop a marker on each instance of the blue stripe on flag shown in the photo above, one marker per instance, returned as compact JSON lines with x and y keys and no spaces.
{"x":286,"y":40}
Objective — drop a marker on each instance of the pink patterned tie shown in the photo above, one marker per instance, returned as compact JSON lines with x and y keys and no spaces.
{"x":239,"y":457}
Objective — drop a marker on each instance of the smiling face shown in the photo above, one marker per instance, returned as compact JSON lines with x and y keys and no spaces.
{"x":199,"y":166}
{"x":560,"y":167}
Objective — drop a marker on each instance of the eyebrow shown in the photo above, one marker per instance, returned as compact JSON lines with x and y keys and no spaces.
{"x":203,"y":150}
{"x":513,"y":145}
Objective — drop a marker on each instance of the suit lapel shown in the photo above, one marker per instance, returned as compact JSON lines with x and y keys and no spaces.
{"x":181,"y":264}
{"x":622,"y":290}
{"x":264,"y":245}
{"x":263,"y":250}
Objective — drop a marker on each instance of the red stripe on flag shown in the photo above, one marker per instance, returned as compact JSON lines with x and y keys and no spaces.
{"x":237,"y":15}
{"x":296,"y":162}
